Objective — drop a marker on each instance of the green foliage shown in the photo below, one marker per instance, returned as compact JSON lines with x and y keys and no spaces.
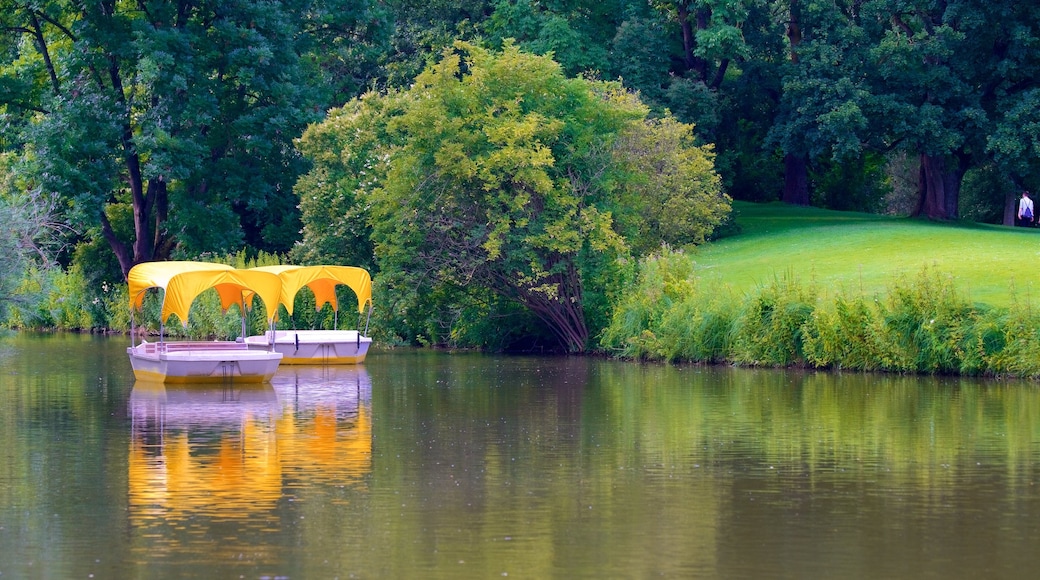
{"x":985,"y":194}
{"x":69,"y":305}
{"x":495,"y":172}
{"x":31,"y":238}
{"x":667,"y":315}
{"x":345,"y":151}
{"x":856,"y":184}
{"x":167,"y":129}
{"x":919,"y":325}
{"x":924,"y":322}
{"x":674,"y":194}
{"x":26,"y":305}
{"x":922,"y":325}
{"x":768,"y":327}
{"x":569,"y":32}
{"x":845,"y":335}
{"x":950,"y":84}
{"x":663,"y":280}
{"x":493,"y":182}
{"x":1008,"y":341}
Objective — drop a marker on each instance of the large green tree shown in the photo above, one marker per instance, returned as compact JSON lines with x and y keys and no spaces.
{"x":167,"y":127}
{"x":496,"y":175}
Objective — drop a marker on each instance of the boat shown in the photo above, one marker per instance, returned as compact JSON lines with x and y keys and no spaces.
{"x":319,"y":346}
{"x":201,"y":361}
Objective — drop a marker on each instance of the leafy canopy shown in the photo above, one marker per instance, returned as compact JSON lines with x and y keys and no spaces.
{"x":497,"y":177}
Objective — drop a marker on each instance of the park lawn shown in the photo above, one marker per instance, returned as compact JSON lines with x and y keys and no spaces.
{"x":865,"y":253}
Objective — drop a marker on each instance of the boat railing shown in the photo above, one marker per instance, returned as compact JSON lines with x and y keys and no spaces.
{"x":188,"y":346}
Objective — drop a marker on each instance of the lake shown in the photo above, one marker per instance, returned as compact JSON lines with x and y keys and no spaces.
{"x":435,"y":465}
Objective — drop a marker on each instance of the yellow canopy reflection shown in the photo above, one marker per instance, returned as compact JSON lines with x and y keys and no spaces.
{"x":203,"y":450}
{"x":330,"y":423}
{"x":230,"y":453}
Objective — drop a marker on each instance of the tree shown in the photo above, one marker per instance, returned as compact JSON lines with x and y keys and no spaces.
{"x":577,"y":34}
{"x":495,"y":176}
{"x":30,"y":233}
{"x":165,"y":126}
{"x":673,"y":195}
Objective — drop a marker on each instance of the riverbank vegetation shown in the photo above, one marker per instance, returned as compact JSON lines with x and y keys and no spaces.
{"x":804,"y":287}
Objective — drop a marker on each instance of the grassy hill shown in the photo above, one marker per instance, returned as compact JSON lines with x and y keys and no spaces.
{"x":865,"y":253}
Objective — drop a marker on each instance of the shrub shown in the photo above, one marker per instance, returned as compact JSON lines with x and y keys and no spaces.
{"x":663,"y":279}
{"x":768,"y":329}
{"x":698,"y":329}
{"x":925,"y":324}
{"x":920,"y":325}
{"x":844,"y":334}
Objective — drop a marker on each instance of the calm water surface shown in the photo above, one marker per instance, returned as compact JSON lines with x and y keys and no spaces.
{"x":431,"y":465}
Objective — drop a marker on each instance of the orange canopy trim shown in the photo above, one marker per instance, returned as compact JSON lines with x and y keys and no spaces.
{"x":322,"y":280}
{"x":183,"y":281}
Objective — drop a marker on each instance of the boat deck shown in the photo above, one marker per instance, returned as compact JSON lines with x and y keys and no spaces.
{"x":198,"y":350}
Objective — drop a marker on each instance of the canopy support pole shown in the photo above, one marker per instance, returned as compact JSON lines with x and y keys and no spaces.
{"x":242,"y":307}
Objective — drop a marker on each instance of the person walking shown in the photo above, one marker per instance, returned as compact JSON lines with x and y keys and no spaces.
{"x":1025,"y":210}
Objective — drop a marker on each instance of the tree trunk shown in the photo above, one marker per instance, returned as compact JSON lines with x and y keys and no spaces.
{"x":563,"y":311}
{"x":939,"y":187}
{"x":41,"y":42}
{"x":1010,"y":208}
{"x":796,"y":179}
{"x":794,"y":29}
{"x":952,"y":179}
{"x":700,"y":64}
{"x":126,"y":260}
{"x":931,"y":188}
{"x":687,"y":35}
{"x":796,"y":166}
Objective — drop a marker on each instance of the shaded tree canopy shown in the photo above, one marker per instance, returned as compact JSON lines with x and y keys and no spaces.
{"x":945,"y":81}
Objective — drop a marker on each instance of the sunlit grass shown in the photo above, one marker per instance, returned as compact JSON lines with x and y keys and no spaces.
{"x":863,"y":253}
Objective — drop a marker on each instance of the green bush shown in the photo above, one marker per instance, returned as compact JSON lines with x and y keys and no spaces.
{"x":844,"y":335}
{"x":698,"y":329}
{"x":1009,"y":342}
{"x":664,"y":279}
{"x":921,"y":325}
{"x":768,"y":329}
{"x":926,"y":323}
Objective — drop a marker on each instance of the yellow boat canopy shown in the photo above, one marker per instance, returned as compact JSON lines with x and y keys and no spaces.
{"x":322,"y":280}
{"x":183,"y":281}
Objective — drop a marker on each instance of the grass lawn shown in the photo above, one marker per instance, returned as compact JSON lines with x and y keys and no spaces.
{"x":866,"y":253}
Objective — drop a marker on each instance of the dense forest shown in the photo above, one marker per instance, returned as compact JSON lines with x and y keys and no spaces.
{"x":489,"y":160}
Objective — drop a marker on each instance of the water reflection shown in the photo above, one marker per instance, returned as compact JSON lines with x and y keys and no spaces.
{"x":325,"y":430}
{"x":203,"y":458}
{"x":198,"y":450}
{"x":472,"y":466}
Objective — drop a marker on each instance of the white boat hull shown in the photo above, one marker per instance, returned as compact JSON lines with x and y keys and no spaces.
{"x":302,"y":347}
{"x":202,"y":362}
